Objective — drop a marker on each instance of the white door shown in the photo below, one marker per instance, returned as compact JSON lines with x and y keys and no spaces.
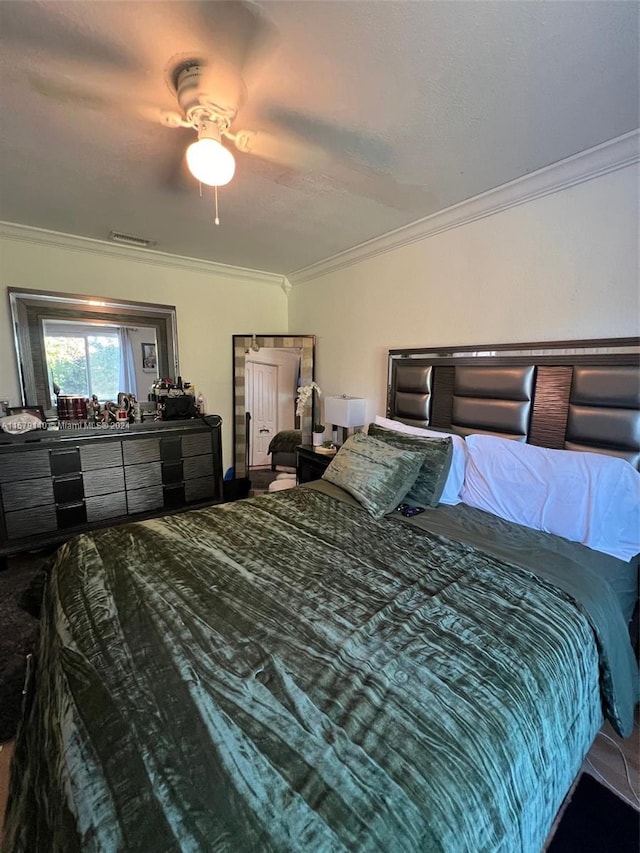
{"x":262,"y":400}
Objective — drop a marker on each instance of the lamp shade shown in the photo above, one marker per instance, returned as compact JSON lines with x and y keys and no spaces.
{"x":210,"y":162}
{"x":345,"y":411}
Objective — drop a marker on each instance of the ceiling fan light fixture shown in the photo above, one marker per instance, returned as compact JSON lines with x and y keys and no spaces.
{"x":209,"y":161}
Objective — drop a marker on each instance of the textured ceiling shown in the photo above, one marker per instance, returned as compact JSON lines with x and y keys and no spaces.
{"x":404,"y":108}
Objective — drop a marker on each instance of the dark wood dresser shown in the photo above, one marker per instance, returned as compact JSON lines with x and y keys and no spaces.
{"x":54,"y":484}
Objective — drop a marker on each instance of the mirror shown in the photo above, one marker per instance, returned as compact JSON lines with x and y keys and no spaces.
{"x":84,"y":345}
{"x":267,"y":370}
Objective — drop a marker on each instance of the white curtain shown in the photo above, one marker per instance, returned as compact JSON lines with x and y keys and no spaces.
{"x":127,"y":379}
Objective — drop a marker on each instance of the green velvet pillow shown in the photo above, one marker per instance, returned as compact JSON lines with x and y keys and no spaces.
{"x":376,"y":474}
{"x":438,"y":453}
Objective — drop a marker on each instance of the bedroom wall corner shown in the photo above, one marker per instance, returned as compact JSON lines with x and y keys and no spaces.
{"x":562,"y":266}
{"x":211,"y":307}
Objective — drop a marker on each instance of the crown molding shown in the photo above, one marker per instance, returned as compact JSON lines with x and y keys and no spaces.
{"x":286,"y":286}
{"x":57,"y":239}
{"x":608,"y":157}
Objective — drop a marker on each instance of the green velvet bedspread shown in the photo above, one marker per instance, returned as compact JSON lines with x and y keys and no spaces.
{"x":285,"y":441}
{"x":287,"y":674}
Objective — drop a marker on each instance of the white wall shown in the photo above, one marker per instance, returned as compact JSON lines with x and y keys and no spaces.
{"x":210,"y":309}
{"x":144,"y":378}
{"x":559,"y":267}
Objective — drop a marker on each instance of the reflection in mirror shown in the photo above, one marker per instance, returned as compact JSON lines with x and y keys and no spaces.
{"x":80,"y":346}
{"x":102,"y":359}
{"x":267,"y":370}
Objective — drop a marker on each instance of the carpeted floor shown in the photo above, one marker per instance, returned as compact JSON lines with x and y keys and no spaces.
{"x":17,"y":636}
{"x":596,"y":821}
{"x":261,"y":479}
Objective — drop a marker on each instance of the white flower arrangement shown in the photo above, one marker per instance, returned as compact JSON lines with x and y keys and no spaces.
{"x":305,"y":392}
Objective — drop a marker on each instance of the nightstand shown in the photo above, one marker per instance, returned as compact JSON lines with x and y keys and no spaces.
{"x":311,"y":463}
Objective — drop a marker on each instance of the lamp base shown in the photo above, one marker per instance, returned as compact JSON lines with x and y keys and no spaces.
{"x":341,"y":434}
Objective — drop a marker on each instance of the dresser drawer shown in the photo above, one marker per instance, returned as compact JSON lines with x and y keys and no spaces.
{"x":172,"y":473}
{"x":144,"y":500}
{"x":200,"y":489}
{"x":173,"y":496}
{"x":65,"y":461}
{"x":26,"y":465}
{"x":139,"y":476}
{"x":23,"y":495}
{"x":68,"y":489}
{"x":103,"y":482}
{"x":28,"y":522}
{"x":140,"y":451}
{"x":103,"y":507}
{"x":197,"y":466}
{"x":71,"y":515}
{"x":196,"y":445}
{"x":98,"y":456}
{"x":171,"y":449}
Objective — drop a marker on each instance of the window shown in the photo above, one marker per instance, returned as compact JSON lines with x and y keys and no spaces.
{"x":83,"y":359}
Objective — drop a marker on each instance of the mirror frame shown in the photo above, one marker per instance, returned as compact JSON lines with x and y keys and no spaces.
{"x":242,"y":343}
{"x":30,"y":307}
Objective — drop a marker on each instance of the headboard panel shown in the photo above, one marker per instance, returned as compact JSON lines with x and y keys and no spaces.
{"x":604,"y":412}
{"x":413,"y":393}
{"x":493,"y":399}
{"x":577,"y":395}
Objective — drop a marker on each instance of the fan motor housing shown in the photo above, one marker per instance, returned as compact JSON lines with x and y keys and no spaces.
{"x":194,"y":97}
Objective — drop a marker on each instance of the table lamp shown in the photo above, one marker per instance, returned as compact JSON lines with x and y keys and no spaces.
{"x":345,"y":412}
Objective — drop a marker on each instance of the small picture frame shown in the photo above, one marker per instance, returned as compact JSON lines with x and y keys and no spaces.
{"x":38,"y":411}
{"x":149,"y":358}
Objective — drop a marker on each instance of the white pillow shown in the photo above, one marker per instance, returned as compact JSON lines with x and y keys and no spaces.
{"x":584,"y":497}
{"x":453,"y":486}
{"x":20,"y":422}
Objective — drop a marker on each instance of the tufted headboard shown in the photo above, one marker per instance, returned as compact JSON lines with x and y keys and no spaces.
{"x":573,"y":395}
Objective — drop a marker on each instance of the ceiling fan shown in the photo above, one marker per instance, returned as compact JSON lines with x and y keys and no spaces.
{"x":81,"y":61}
{"x":79,"y":54}
{"x":194,"y":81}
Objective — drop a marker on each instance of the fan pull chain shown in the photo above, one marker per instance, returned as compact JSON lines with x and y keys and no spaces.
{"x":215,"y":189}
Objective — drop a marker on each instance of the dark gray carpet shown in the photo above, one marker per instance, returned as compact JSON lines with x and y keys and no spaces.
{"x":262,"y":478}
{"x":17,"y":637}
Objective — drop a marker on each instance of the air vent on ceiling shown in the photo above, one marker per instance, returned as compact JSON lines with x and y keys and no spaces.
{"x":131,"y":240}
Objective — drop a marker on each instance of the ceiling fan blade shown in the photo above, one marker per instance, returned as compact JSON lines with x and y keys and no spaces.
{"x":283,"y":148}
{"x":93,"y":99}
{"x":40,"y":27}
{"x":341,"y":142}
{"x":173,"y":173}
{"x":361,"y":163}
{"x":237,"y":31}
{"x":71,"y":74}
{"x":380,"y":187}
{"x":64,"y":93}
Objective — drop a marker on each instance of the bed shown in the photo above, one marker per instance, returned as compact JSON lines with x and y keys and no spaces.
{"x":282,"y":448}
{"x":300,"y":672}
